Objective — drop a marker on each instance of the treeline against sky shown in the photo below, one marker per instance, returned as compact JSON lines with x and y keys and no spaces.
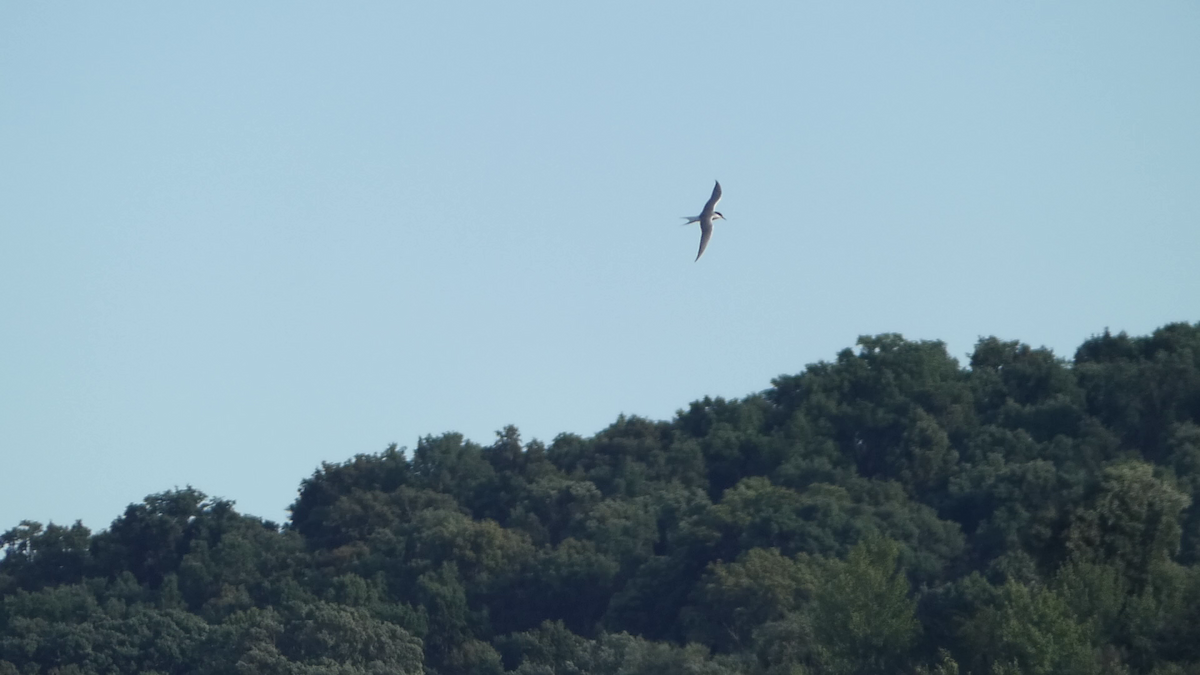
{"x":891,"y":511}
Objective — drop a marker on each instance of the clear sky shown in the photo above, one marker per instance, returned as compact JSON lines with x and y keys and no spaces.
{"x":240,"y":239}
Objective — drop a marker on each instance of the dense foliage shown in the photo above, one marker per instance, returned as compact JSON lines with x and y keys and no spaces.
{"x":888,"y":512}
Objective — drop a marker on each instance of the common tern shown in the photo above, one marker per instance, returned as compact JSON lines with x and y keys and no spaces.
{"x":706,"y":218}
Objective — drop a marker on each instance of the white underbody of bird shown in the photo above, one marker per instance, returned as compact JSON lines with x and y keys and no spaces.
{"x":706,"y":218}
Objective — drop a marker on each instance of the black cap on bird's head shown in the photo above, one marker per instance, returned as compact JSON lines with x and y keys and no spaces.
{"x":717,"y":214}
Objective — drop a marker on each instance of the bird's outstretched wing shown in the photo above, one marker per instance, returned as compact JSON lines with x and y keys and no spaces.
{"x":712,"y":201}
{"x":706,"y":229}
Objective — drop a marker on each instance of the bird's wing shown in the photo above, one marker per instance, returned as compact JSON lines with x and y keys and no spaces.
{"x":705,"y":233}
{"x":712,"y":201}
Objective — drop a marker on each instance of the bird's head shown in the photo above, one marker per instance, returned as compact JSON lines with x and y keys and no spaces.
{"x":717,"y":215}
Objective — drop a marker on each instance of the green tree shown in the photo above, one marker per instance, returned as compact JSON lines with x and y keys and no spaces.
{"x":734,"y":599}
{"x":1044,"y":511}
{"x":1141,"y":387}
{"x":1031,"y":631}
{"x":385,"y":473}
{"x":862,"y":611}
{"x":1132,"y":521}
{"x":35,"y":556}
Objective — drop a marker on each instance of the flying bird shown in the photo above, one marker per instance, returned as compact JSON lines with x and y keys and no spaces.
{"x":706,"y":218}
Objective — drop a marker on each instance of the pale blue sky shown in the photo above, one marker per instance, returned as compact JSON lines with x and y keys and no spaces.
{"x":238,"y":239}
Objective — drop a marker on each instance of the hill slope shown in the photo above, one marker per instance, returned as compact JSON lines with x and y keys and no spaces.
{"x":889,"y":511}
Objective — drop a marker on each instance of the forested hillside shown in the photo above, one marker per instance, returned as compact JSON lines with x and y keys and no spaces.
{"x":891,"y":511}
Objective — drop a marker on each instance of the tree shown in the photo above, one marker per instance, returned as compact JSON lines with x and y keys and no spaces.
{"x":1132,"y":521}
{"x":734,"y":599}
{"x":862,"y":611}
{"x":887,"y":511}
{"x":1030,"y":631}
{"x":385,"y":472}
{"x":35,"y":556}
